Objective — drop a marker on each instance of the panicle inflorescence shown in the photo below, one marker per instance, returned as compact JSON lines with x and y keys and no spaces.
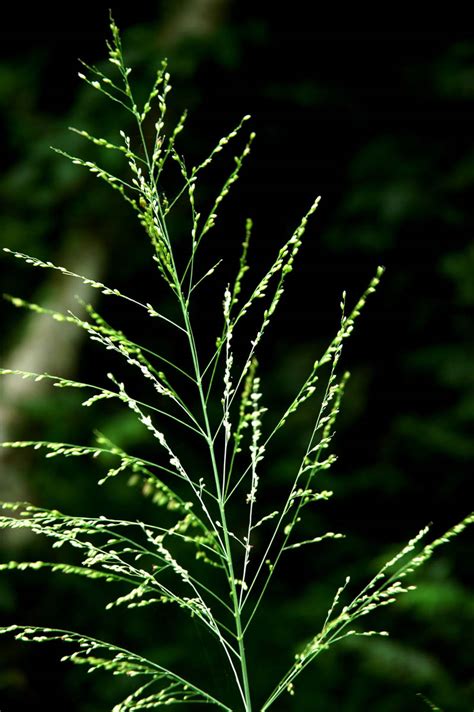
{"x":149,"y":563}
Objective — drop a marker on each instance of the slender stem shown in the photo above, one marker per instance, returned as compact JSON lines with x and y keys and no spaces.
{"x":184,"y":305}
{"x":230,"y":567}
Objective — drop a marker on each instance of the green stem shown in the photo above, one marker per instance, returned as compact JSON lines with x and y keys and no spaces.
{"x":184,"y":305}
{"x":228,"y":551}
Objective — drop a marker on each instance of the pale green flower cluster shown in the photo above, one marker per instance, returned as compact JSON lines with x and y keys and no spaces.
{"x":144,"y":558}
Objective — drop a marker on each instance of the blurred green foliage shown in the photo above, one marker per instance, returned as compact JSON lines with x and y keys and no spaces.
{"x":379,"y":124}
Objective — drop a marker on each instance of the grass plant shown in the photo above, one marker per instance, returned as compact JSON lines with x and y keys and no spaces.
{"x":217,"y":511}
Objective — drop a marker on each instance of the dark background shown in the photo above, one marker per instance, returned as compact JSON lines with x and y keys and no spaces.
{"x":380,"y":124}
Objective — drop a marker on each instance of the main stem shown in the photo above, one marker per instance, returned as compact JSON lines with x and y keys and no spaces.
{"x":246,"y":698}
{"x":235,"y":598}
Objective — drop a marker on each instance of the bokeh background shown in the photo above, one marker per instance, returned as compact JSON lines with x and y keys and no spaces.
{"x":380,"y":124}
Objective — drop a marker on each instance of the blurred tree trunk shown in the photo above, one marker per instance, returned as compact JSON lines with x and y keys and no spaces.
{"x":45,"y":346}
{"x":190,"y":18}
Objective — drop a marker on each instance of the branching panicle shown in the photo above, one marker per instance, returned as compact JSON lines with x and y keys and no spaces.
{"x":150,"y":562}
